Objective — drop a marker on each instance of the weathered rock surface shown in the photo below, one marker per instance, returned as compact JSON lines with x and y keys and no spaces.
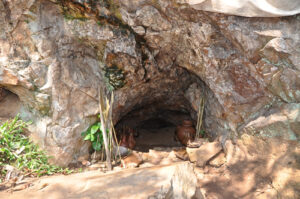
{"x":183,"y":185}
{"x":281,"y":121}
{"x":204,"y":153}
{"x":255,"y":168}
{"x":131,"y":161}
{"x":218,"y":161}
{"x":157,"y":54}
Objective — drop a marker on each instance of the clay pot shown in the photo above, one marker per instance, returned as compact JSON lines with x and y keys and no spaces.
{"x":131,"y":140}
{"x":127,"y":138}
{"x":185,"y":132}
{"x":124,"y":140}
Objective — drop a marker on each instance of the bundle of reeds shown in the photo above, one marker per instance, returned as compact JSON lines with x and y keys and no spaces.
{"x":107,"y":127}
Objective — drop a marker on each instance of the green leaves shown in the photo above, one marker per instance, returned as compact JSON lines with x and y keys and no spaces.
{"x":94,"y":129}
{"x":97,"y":146}
{"x":87,"y":137}
{"x":202,"y":133}
{"x":94,"y":135}
{"x":18,"y":151}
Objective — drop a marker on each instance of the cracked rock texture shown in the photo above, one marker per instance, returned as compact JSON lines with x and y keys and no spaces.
{"x":54,"y":55}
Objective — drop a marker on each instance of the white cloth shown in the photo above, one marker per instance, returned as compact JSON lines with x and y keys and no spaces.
{"x":249,"y":8}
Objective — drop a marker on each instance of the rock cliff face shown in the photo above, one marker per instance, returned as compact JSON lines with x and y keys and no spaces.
{"x":155,"y":55}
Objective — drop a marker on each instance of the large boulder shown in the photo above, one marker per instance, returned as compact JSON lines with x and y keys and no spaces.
{"x":273,"y":160}
{"x":253,"y":167}
{"x":54,"y":55}
{"x":183,"y":185}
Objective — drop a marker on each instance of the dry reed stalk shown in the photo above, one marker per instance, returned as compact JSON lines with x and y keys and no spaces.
{"x":105,"y":119}
{"x":200,"y":116}
{"x":116,"y":145}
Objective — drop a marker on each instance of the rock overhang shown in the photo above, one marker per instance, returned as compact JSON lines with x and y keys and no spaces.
{"x":242,"y":66}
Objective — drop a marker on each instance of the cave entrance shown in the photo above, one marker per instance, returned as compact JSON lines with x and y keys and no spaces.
{"x":9,"y":104}
{"x":154,"y":130}
{"x":155,"y":110}
{"x":156,"y":133}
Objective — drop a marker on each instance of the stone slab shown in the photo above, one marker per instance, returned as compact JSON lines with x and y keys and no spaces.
{"x":204,"y":153}
{"x":130,"y":183}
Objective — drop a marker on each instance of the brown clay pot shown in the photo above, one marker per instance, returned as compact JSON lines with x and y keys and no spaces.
{"x":185,"y":132}
{"x":124,"y":140}
{"x":131,"y":141}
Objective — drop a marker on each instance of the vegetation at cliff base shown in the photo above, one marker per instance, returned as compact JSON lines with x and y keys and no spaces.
{"x":18,"y":152}
{"x":94,"y":134}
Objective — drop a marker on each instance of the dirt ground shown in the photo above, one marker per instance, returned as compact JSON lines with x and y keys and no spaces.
{"x":130,"y":183}
{"x":250,"y":168}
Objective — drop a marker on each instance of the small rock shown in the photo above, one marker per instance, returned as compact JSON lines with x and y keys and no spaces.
{"x":166,"y":161}
{"x":22,"y":187}
{"x":158,"y":153}
{"x":96,"y":156}
{"x":196,"y":143}
{"x":172,"y":156}
{"x":146,"y":164}
{"x":11,"y":173}
{"x":229,"y":149}
{"x":85,"y":163}
{"x":118,"y":168}
{"x":139,"y":30}
{"x":192,"y":153}
{"x":204,"y":153}
{"x":123,"y":151}
{"x":181,"y":154}
{"x":218,"y":161}
{"x":155,"y":157}
{"x":42,"y":186}
{"x":98,"y":165}
{"x":145,"y":156}
{"x":94,"y":161}
{"x":131,"y":161}
{"x":83,"y":158}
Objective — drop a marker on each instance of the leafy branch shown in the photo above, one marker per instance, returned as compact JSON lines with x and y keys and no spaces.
{"x":94,"y":134}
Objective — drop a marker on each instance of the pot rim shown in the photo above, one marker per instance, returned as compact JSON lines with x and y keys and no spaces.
{"x":187,"y":123}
